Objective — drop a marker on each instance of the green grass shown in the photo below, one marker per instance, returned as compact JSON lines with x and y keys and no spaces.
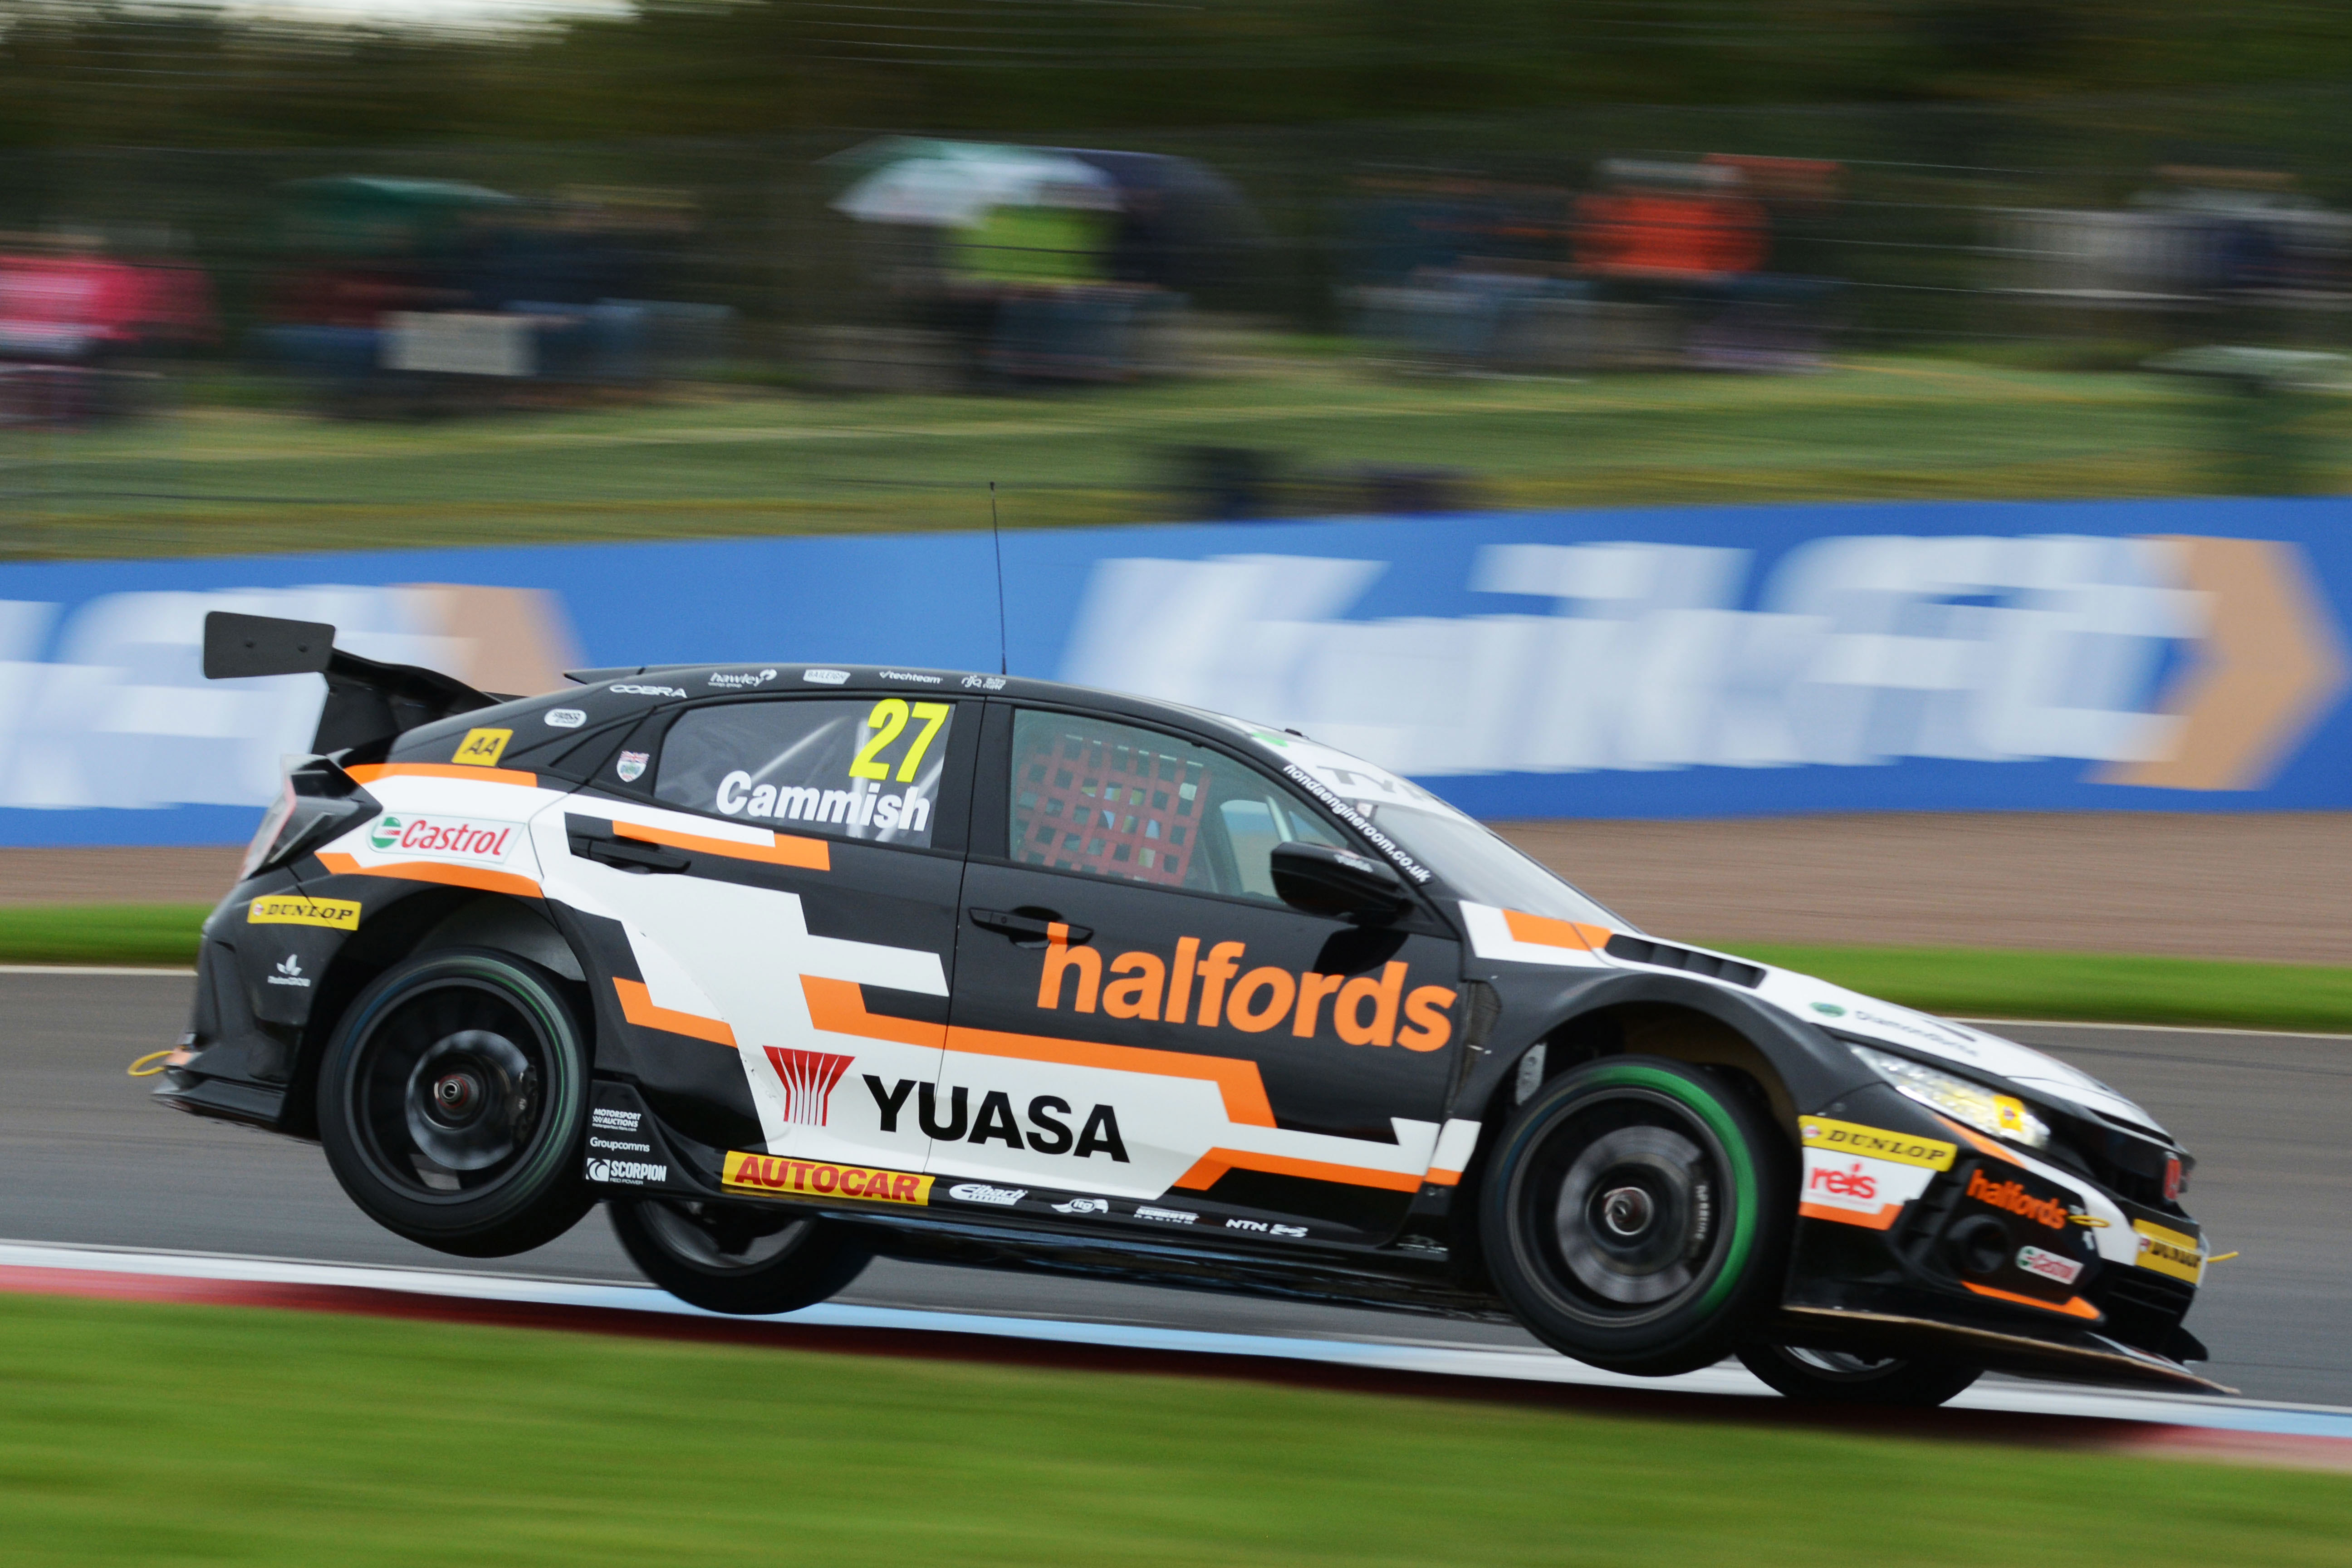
{"x":1967,"y":982}
{"x":146,"y":934}
{"x":2121,"y":988}
{"x":163,"y":1435}
{"x":219,"y":478}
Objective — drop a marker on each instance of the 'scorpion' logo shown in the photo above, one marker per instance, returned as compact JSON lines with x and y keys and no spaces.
{"x":808,"y":1077}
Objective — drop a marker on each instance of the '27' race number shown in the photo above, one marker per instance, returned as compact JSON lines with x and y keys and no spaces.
{"x":888,"y":721}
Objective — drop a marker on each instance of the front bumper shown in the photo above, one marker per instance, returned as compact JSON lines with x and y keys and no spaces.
{"x":1915,"y":1231}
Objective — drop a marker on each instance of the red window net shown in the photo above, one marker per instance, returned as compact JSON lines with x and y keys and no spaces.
{"x":1110,"y":806}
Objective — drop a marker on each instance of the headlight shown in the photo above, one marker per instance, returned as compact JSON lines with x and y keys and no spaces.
{"x":2002,"y":1115}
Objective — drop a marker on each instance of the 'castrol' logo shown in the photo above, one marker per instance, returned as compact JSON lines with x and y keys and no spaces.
{"x":444,"y":837}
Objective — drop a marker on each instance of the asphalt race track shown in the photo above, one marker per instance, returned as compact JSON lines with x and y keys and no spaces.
{"x":86,"y":1158}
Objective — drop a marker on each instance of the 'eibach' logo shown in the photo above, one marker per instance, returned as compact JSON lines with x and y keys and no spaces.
{"x":444,"y":837}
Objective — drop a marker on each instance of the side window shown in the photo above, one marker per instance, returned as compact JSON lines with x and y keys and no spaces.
{"x":855,"y":769}
{"x":1118,"y":801}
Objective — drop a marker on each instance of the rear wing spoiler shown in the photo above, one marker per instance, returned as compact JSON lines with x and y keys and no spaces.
{"x":367,"y":702}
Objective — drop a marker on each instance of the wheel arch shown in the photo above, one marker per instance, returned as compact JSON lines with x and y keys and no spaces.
{"x":432,"y":918}
{"x":1791,"y":1064}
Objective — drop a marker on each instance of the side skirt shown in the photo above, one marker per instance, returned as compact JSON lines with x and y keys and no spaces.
{"x":2087,"y":1358}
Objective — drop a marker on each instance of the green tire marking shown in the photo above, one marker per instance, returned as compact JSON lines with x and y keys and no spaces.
{"x":1685,"y":1093}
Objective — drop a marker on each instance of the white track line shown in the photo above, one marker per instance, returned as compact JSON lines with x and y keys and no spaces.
{"x":90,"y":969}
{"x":2011,"y":1396}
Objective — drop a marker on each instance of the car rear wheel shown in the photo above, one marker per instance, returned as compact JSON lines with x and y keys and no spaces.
{"x":731,"y":1257}
{"x":1636,"y":1214}
{"x":453,"y":1100}
{"x":1848,"y":1377}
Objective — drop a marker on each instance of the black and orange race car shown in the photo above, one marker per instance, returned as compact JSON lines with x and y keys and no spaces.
{"x":795,"y":965}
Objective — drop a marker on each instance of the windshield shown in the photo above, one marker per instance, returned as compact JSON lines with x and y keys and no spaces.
{"x":1479,"y":866}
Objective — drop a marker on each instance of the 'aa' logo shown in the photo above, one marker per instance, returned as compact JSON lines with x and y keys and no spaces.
{"x":808,"y":1078}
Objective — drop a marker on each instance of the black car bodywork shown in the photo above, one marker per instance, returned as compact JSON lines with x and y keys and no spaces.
{"x":2069,"y":1257}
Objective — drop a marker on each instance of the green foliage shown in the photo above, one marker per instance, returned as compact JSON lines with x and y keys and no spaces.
{"x":152,"y":1434}
{"x":76,"y":74}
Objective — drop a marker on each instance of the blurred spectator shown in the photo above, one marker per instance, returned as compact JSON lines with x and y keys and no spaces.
{"x":74,"y":324}
{"x":1043,"y":264}
{"x":1669,"y":222}
{"x":402,"y":295}
{"x":1467,"y":274}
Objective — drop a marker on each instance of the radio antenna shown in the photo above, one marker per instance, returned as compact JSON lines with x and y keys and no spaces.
{"x":996,"y":537}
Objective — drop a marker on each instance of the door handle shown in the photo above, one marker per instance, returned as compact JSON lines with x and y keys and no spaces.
{"x":628,"y":856}
{"x":1025,"y":929}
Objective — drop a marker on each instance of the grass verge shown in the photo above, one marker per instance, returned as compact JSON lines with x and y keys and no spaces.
{"x":2120,"y":988}
{"x":144,"y":934}
{"x":212,"y":480}
{"x":2104,"y":987}
{"x":157,"y":1434}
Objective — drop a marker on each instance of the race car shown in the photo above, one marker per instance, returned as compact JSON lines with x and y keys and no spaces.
{"x":796,"y":965}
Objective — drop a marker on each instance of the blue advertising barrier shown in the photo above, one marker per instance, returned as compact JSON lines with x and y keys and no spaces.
{"x":2063,"y":656}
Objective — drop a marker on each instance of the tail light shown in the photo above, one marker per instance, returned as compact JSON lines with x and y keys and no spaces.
{"x":2176,"y":1179}
{"x":317,"y":802}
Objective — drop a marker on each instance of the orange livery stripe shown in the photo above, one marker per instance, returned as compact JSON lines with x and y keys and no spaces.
{"x":782,"y":849}
{"x":1217,"y":1162}
{"x":639,"y":1007}
{"x":368,"y":772}
{"x":342,"y":864}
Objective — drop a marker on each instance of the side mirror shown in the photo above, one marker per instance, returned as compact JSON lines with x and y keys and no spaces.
{"x":1340,"y":883}
{"x":238,"y":645}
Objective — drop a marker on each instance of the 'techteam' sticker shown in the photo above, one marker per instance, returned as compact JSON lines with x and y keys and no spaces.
{"x":777,"y":1176}
{"x":337,"y":914}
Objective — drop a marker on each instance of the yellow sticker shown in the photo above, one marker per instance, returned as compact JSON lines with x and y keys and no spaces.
{"x":2169,"y":1251}
{"x":482,"y":748}
{"x":776,"y":1177}
{"x":337,"y":913}
{"x":1876,"y":1142}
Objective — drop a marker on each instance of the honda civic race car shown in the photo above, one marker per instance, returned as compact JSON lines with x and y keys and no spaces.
{"x":795,"y":965}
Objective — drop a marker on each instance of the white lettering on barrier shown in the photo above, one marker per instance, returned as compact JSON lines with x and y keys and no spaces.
{"x":1862,"y":651}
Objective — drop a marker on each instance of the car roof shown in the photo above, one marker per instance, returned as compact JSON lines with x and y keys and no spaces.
{"x":782,"y":678}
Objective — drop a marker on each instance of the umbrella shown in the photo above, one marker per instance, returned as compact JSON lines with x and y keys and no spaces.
{"x":1182,"y":225}
{"x":953,"y":184}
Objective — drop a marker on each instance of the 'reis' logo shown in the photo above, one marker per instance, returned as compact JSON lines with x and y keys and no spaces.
{"x":808,"y":1077}
{"x":1362,"y":1010}
{"x":1851,"y":1183}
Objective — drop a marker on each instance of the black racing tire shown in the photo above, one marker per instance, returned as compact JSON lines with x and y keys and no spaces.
{"x":737,"y":1259}
{"x":453,"y":1100}
{"x":1636,"y":1214}
{"x":1846,"y":1377}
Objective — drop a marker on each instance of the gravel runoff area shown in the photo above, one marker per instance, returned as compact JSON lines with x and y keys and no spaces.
{"x":2259,"y":885}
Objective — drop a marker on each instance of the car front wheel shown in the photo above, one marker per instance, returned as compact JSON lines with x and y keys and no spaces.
{"x":731,"y":1257}
{"x":1636,"y":1214}
{"x":453,"y":1100}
